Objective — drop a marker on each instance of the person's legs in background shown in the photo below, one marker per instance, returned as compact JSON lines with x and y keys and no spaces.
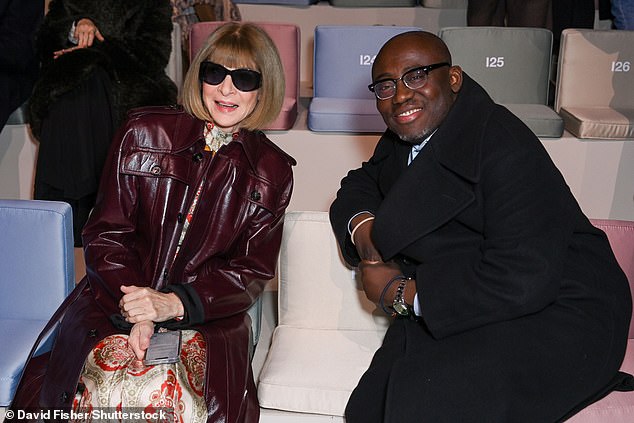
{"x":486,"y":12}
{"x":623,"y":13}
{"x":534,"y":13}
{"x":74,"y":141}
{"x":571,"y":14}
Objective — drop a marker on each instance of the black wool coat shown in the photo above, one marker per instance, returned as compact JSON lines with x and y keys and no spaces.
{"x":525,"y":311}
{"x":135,"y":53}
{"x":19,"y":21}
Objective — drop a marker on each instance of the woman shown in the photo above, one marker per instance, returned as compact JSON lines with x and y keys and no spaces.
{"x":184,"y":235}
{"x":100,"y":58}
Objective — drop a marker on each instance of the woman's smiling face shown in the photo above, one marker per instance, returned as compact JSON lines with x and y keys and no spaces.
{"x":227,"y":105}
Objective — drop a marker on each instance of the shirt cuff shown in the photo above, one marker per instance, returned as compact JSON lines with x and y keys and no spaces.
{"x":71,"y":34}
{"x":417,"y":310}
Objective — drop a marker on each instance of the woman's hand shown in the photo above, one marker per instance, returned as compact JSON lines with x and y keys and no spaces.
{"x":140,"y":304}
{"x":139,"y":339}
{"x":85,"y":32}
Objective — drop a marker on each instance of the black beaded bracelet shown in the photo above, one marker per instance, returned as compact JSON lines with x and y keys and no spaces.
{"x":387,"y":286}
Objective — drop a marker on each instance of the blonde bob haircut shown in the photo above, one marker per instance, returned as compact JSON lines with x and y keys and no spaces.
{"x":239,"y":45}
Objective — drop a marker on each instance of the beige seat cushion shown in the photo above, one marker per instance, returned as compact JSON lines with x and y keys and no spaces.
{"x":598,"y":122}
{"x":594,"y":83}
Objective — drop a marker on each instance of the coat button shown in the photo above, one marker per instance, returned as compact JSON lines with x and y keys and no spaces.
{"x":63,"y":397}
{"x":92,"y":333}
{"x":255,"y":195}
{"x":198,"y":157}
{"x":156,"y":170}
{"x":180,"y":218}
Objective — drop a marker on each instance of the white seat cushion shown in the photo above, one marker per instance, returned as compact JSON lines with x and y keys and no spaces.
{"x":327,"y":329}
{"x":315,"y":371}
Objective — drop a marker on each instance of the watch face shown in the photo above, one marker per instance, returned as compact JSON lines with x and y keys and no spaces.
{"x":401,"y":308}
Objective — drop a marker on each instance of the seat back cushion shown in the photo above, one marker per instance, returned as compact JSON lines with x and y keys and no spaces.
{"x":595,"y":69}
{"x":512,"y":64}
{"x":316,"y":288}
{"x":36,"y":263}
{"x":37,"y":271}
{"x":343,"y":57}
{"x":342,"y":71}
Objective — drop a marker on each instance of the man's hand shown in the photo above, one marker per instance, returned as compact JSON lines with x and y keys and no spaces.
{"x":146,"y":304}
{"x":374,"y":276}
{"x":363,"y":240}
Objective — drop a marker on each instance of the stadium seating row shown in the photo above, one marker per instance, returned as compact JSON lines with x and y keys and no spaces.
{"x":513,"y":64}
{"x":436,"y":4}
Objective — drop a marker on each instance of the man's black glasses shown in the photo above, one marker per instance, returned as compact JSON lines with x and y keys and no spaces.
{"x":413,"y":79}
{"x":243,"y":79}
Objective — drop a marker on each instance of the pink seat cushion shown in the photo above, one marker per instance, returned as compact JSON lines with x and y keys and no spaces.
{"x":617,"y":407}
{"x":621,"y":236}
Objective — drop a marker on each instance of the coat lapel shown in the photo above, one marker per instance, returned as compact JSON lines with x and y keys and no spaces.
{"x":396,"y":163}
{"x":439,"y":183}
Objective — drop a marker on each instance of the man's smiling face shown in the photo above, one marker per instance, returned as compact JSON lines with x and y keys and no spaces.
{"x":414,"y":114}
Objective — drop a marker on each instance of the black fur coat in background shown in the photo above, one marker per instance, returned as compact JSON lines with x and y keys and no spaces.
{"x":135,"y":53}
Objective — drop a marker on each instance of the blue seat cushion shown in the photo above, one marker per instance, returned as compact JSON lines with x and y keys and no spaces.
{"x":327,"y":114}
{"x":18,"y":339}
{"x":288,"y":2}
{"x":373,"y":3}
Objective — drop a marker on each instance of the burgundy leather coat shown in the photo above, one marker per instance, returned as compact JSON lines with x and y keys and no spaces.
{"x":155,"y":166}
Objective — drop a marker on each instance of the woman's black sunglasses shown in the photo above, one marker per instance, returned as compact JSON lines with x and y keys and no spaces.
{"x":243,"y":79}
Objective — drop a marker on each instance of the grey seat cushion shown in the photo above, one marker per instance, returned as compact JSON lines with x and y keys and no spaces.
{"x":541,"y":119}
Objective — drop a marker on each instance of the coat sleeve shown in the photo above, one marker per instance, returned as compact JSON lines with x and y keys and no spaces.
{"x":144,"y":43}
{"x":359,"y":191}
{"x":230,"y":284}
{"x":527,"y":217}
{"x":53,"y":33}
{"x":109,"y":236}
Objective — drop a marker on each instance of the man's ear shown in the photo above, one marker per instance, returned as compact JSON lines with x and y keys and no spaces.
{"x":455,"y":78}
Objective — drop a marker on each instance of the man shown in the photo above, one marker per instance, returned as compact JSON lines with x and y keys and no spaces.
{"x":509,"y":304}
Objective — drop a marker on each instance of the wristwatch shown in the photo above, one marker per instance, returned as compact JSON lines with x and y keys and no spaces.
{"x":399,"y":305}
